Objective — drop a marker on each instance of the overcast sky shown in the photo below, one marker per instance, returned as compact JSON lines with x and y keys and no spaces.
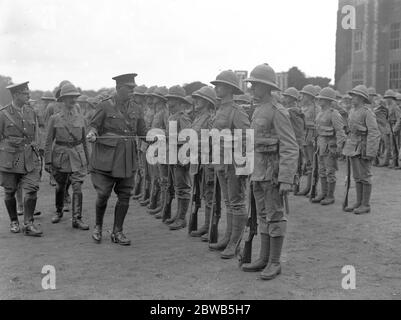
{"x":165,"y":42}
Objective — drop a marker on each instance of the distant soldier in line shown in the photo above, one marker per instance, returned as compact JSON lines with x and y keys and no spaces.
{"x":310,"y":110}
{"x":20,"y":161}
{"x":190,"y":108}
{"x":230,"y":116}
{"x":331,"y":138}
{"x":160,"y":175}
{"x":276,"y":157}
{"x":181,"y":181}
{"x":382,"y":119}
{"x":362,"y":145}
{"x":394,"y":112}
{"x":205,"y":101}
{"x":66,"y":155}
{"x":149,"y":175}
{"x":139,"y":98}
{"x":114,"y":128}
{"x":297,"y":118}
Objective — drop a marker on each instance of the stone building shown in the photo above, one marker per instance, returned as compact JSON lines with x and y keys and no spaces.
{"x":370,"y":53}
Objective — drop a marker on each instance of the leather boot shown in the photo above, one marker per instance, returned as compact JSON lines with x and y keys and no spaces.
{"x":181,"y":221}
{"x":205,"y":237}
{"x":59,"y":205}
{"x":323,"y":194}
{"x":77,"y":222}
{"x":166,"y":211}
{"x":11,"y":206}
{"x":20,"y":202}
{"x":222,"y":244}
{"x":308,"y":186}
{"x":273,"y":268}
{"x":142,"y":189}
{"x":97,"y":231}
{"x":239,"y":223}
{"x":261,"y":263}
{"x":330,"y":194}
{"x":365,"y":206}
{"x":67,"y":201}
{"x":118,"y":236}
{"x":155,"y":205}
{"x":358,"y":187}
{"x":29,"y":228}
{"x":146,"y":195}
{"x":205,"y":228}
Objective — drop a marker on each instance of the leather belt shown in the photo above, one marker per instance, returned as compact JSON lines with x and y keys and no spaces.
{"x":68,"y":144}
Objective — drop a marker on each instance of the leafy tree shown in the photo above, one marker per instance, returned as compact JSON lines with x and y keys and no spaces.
{"x":319,"y":81}
{"x":296,"y":78}
{"x":5,"y":96}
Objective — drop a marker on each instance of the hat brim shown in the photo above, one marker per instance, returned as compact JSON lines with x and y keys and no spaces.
{"x":48,"y":99}
{"x":326,"y":98}
{"x":237,"y":91}
{"x":390,"y":97}
{"x":354,"y":93}
{"x":289,"y":95}
{"x":68,"y":95}
{"x":204,"y":97}
{"x":172,"y":96}
{"x":158,"y":96}
{"x":308,"y":93}
{"x":269,"y":83}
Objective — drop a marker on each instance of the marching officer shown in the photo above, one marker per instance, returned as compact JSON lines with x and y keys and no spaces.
{"x":310,"y":110}
{"x":114,"y":128}
{"x":205,"y":101}
{"x":66,"y":155}
{"x":276,"y":155}
{"x":230,"y":116}
{"x":331,"y":139}
{"x":20,"y":161}
{"x":362,"y":145}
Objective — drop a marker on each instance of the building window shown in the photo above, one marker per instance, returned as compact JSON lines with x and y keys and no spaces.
{"x":395,"y":76}
{"x":395,"y":36}
{"x":357,"y":78}
{"x":358,"y":37}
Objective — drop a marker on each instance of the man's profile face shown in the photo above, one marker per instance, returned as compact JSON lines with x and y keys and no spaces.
{"x":22,"y":97}
{"x":124,"y":91}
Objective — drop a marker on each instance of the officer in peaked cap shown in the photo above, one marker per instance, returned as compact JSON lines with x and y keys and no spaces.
{"x":19,"y":157}
{"x":113,"y":130}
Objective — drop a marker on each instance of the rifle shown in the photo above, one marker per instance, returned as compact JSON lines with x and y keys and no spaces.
{"x":315,"y":172}
{"x":395,"y":147}
{"x":347,"y":183}
{"x":297,"y":179}
{"x":195,"y":197}
{"x":216,"y":211}
{"x":250,"y":231}
{"x":285,"y":203}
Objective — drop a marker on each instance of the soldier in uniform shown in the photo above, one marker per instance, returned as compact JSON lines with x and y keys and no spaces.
{"x":139,"y":99}
{"x":310,"y":110}
{"x":245,"y":101}
{"x":160,"y":173}
{"x":181,"y":181}
{"x":66,"y":155}
{"x":20,"y":161}
{"x":230,"y":116}
{"x":381,"y":112}
{"x":114,"y":128}
{"x":205,"y":101}
{"x":276,"y":156}
{"x":297,"y":118}
{"x":361,"y":145}
{"x":147,"y":180}
{"x":394,"y":114}
{"x":331,"y":139}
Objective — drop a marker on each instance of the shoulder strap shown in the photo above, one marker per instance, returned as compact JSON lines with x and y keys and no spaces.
{"x":71,"y":135}
{"x":8,"y":116}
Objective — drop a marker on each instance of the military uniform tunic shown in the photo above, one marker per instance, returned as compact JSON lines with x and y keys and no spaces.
{"x":19,"y":153}
{"x":68,"y":153}
{"x":331,"y":137}
{"x":362,"y":141}
{"x":231,"y":116}
{"x":113,"y":160}
{"x":276,"y":158}
{"x":310,"y":112}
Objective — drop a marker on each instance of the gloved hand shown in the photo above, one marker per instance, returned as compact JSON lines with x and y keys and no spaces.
{"x":91,"y":137}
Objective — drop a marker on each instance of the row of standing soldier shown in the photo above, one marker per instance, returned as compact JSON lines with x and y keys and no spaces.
{"x":117,"y":129}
